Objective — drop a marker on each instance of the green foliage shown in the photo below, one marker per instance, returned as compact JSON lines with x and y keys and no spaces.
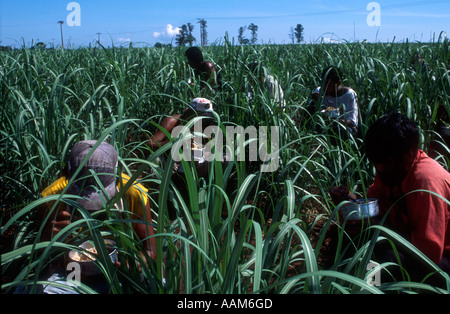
{"x":220,"y":240}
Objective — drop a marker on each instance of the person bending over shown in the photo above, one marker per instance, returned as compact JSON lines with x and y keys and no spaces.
{"x":407,"y":184}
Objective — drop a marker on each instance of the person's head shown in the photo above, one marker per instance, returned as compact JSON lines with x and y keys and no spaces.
{"x":103,"y":161}
{"x":194,"y":56}
{"x":416,"y":59}
{"x":199,"y":107}
{"x":257,"y":70}
{"x":332,"y":78}
{"x":391,"y":144}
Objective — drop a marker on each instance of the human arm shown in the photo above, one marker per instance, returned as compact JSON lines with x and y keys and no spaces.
{"x":209,"y":72}
{"x":145,"y":232}
{"x":54,"y":223}
{"x":350,"y":111}
{"x":138,"y":203}
{"x":427,"y":218}
{"x":159,"y":138}
{"x":311,"y":107}
{"x":54,"y":218}
{"x":347,"y":122}
{"x":341,"y":193}
{"x":379,"y":191}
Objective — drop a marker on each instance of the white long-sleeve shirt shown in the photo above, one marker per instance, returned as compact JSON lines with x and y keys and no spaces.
{"x":348,"y":102}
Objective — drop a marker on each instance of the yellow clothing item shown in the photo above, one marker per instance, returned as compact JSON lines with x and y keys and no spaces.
{"x":136,"y":195}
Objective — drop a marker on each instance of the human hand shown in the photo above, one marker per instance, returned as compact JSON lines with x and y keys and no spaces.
{"x":341,"y":193}
{"x":55,"y":225}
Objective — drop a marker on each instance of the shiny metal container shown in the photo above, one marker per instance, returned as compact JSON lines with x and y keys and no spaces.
{"x":360,"y":209}
{"x":88,"y":267}
{"x":331,"y":113}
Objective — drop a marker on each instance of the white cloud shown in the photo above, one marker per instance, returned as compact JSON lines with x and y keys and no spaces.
{"x":330,"y":40}
{"x":124,"y":39}
{"x":170,"y":31}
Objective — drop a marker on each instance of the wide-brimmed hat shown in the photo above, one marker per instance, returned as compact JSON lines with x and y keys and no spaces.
{"x":102,"y":161}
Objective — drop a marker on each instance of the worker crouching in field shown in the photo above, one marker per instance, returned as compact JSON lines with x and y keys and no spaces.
{"x":195,"y":147}
{"x":198,"y":107}
{"x":103,"y":161}
{"x":205,"y":71}
{"x":262,"y":81}
{"x":336,"y":101}
{"x":407,"y":185}
{"x":91,"y":175}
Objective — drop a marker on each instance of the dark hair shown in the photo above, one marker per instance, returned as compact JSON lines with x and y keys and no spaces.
{"x":332,"y":73}
{"x":393,"y":135}
{"x":254,"y":67}
{"x":194,"y":54}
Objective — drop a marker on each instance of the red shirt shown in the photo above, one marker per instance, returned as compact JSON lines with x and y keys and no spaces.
{"x":421,"y":216}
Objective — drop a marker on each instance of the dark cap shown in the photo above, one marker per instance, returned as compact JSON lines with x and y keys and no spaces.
{"x":103,"y":161}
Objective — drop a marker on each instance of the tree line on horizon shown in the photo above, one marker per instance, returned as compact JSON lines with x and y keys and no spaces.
{"x":186,"y":38}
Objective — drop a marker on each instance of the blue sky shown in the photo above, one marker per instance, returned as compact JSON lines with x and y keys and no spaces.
{"x":148,"y":22}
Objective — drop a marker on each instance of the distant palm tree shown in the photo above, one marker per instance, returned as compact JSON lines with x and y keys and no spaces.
{"x":253,"y":28}
{"x":185,"y":35}
{"x":241,"y":39}
{"x":298,"y":32}
{"x":203,"y":33}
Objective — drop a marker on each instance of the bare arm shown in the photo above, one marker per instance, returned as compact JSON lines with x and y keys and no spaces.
{"x":145,"y":230}
{"x":159,"y":138}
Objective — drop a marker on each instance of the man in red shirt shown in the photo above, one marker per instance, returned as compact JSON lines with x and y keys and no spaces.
{"x":406,"y":184}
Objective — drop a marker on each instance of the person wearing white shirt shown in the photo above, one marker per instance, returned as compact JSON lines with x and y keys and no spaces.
{"x":269,"y":84}
{"x":337,"y":98}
